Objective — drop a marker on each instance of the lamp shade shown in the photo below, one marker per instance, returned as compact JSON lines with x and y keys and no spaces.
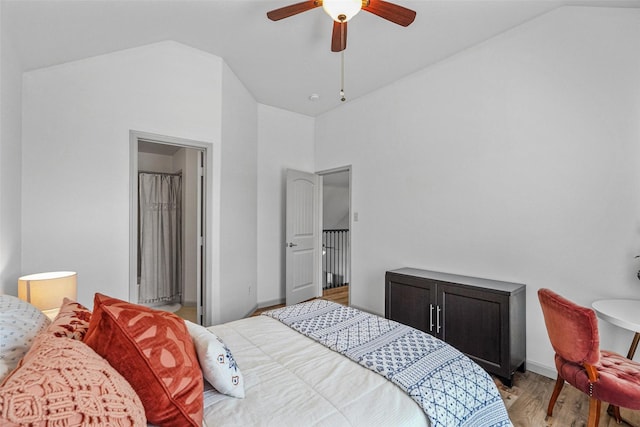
{"x":46,"y":290}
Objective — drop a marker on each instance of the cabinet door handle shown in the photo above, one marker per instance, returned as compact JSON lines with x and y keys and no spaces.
{"x":438,"y":321}
{"x":430,"y":317}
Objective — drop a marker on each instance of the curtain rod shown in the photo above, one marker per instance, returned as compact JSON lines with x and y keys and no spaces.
{"x":161,"y":173}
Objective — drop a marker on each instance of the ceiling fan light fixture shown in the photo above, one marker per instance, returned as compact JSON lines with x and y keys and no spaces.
{"x":342,"y":10}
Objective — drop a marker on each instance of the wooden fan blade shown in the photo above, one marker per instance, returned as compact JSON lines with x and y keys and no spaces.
{"x":293,"y":9}
{"x":339,"y":36}
{"x":391,"y":12}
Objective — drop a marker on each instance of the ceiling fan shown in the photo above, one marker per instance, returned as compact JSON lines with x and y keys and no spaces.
{"x":342,"y":11}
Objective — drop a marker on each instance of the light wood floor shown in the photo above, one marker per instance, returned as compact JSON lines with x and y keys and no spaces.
{"x":339,"y":295}
{"x":527,"y":400}
{"x":188,"y":313}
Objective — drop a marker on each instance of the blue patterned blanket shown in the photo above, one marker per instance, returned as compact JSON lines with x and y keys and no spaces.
{"x":451,"y":389}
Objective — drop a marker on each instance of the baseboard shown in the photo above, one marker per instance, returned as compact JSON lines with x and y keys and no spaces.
{"x":271,"y":303}
{"x":543,"y":370}
{"x":253,"y":310}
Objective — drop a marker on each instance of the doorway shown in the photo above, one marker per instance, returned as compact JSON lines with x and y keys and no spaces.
{"x":167,"y":224}
{"x":336,"y":233}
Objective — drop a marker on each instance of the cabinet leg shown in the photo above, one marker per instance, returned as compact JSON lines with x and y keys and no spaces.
{"x":507,"y":381}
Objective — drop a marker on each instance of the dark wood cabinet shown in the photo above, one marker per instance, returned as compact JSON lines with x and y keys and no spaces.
{"x":485,"y":319}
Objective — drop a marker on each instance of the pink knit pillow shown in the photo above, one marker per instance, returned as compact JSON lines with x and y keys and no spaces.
{"x":63,"y":382}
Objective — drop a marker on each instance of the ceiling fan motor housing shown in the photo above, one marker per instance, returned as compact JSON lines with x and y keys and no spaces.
{"x":342,"y":10}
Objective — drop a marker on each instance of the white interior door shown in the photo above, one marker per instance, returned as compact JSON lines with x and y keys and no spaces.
{"x":302,"y":236}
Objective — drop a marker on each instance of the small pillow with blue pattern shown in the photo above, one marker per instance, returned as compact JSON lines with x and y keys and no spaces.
{"x":216,"y":361}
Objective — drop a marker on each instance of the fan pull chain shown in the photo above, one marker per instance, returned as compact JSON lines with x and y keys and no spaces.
{"x":342,"y":97}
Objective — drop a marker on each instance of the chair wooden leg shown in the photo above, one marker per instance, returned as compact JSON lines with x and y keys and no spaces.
{"x":616,"y":414}
{"x":614,"y":411}
{"x":594,"y":412}
{"x":554,"y":395}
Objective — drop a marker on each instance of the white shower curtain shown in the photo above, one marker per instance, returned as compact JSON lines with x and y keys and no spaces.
{"x":159,"y":238}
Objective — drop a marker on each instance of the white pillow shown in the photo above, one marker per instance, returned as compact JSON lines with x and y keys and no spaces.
{"x":216,"y":361}
{"x":20,"y":322}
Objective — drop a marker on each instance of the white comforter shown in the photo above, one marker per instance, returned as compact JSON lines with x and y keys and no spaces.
{"x":291,"y":380}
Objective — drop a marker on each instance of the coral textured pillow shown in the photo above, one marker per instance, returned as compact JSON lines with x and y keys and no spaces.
{"x":216,"y":361}
{"x":62,"y":382}
{"x":20,"y":322}
{"x":72,"y":321}
{"x":153,"y":350}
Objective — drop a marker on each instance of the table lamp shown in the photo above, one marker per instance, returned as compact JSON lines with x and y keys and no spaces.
{"x":46,"y":290}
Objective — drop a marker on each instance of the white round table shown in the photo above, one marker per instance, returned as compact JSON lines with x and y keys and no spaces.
{"x":624,"y":313}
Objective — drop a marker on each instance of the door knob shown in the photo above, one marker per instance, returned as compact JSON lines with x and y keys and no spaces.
{"x":290,"y":245}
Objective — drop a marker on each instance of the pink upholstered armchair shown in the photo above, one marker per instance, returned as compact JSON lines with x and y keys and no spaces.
{"x":603,"y":375}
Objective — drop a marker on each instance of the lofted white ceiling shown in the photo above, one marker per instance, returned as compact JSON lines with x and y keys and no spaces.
{"x":281,"y":63}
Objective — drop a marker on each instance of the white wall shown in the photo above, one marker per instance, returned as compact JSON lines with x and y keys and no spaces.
{"x":10,"y":166}
{"x":286,"y":141}
{"x":335,"y":207}
{"x":238,"y":204}
{"x":151,"y":162}
{"x":76,"y":122}
{"x":515,"y":160}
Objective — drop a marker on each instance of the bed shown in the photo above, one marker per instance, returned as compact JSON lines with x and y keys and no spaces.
{"x":313,"y":364}
{"x":326,"y":387}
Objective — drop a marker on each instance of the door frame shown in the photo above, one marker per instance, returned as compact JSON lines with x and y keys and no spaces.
{"x":322,"y":173}
{"x":207,"y":294}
